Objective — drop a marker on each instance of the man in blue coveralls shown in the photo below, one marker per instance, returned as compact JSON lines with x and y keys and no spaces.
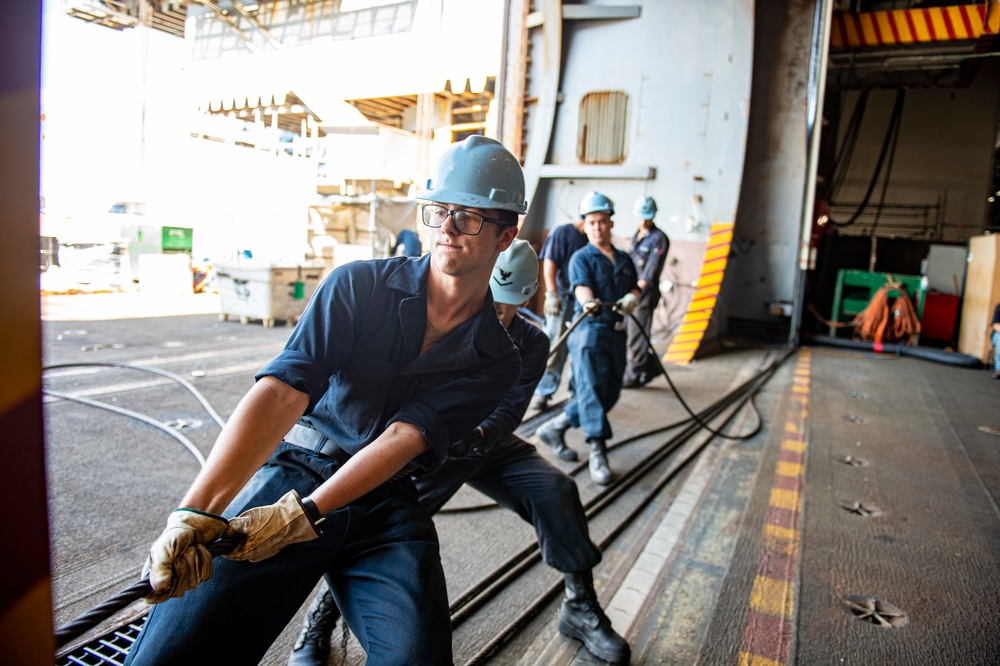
{"x":605,"y":287}
{"x":504,"y":467}
{"x":648,"y":252}
{"x":391,"y":362}
{"x":559,"y":246}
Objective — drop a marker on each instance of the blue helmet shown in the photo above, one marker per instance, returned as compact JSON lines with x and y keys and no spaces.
{"x":478,"y":172}
{"x":645,"y":208}
{"x":515,"y":274}
{"x":595,"y":202}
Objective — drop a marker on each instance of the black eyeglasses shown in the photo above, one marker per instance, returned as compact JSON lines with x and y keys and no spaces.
{"x":466,"y":222}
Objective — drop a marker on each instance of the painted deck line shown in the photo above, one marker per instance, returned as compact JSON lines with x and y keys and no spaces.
{"x":769,"y":630}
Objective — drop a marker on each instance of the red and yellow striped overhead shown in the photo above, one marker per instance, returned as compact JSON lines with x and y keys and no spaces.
{"x":910,"y":26}
{"x":699,"y":312}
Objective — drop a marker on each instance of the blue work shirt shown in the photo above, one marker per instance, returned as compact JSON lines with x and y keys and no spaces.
{"x":558,"y":248}
{"x":533,"y":345}
{"x":410,"y":242}
{"x":356,"y":353}
{"x":609,"y":282}
{"x":648,"y":254}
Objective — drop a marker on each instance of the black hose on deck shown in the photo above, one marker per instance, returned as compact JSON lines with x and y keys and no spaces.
{"x":901,"y":349}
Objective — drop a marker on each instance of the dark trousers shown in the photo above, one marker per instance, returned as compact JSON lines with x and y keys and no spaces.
{"x":597,"y":352}
{"x":380,"y":554}
{"x":641,"y":365}
{"x":517,"y":477}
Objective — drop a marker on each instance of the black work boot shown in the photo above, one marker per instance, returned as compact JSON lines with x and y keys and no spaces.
{"x":552,"y":433}
{"x":312,"y":647}
{"x":581,"y":617}
{"x":600,"y":473}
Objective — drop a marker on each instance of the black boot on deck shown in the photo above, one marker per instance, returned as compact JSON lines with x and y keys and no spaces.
{"x":312,"y":647}
{"x":581,"y":617}
{"x":552,"y":433}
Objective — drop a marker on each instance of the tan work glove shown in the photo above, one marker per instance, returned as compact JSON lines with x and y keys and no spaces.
{"x":591,"y":308}
{"x":552,"y":303}
{"x":270,"y":528}
{"x":626,"y":304}
{"x":178,"y":560}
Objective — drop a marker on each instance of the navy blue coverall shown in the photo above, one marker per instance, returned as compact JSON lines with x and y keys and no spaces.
{"x":356,"y":353}
{"x":513,"y":474}
{"x":597,"y":344}
{"x":648,"y":254}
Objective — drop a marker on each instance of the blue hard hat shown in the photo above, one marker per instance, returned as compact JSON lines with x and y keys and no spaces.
{"x":645,"y":208}
{"x":595,"y":202}
{"x":478,"y":172}
{"x":515,"y":274}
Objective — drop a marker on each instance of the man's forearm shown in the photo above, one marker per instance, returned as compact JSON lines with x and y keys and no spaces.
{"x":371,"y":466}
{"x":549,"y":270}
{"x":264,"y":415}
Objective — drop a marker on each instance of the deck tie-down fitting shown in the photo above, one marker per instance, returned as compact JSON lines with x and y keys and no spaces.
{"x":875,"y":611}
{"x":863,"y":510}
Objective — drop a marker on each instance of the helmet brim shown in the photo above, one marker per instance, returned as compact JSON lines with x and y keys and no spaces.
{"x":471,"y":200}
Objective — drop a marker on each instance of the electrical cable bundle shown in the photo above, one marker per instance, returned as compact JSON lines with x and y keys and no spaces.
{"x":881,"y":322}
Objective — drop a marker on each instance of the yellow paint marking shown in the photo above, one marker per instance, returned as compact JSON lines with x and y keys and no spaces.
{"x":688,"y":337}
{"x":747,"y":659}
{"x":717,"y":252}
{"x":870,"y":37}
{"x":940,"y":28}
{"x":785,"y":499}
{"x":772,"y":596}
{"x":799,"y":389}
{"x":783,"y":533}
{"x":920,"y":25}
{"x":902,"y":26}
{"x":793,"y":470}
{"x":703,"y":315}
{"x":793,"y":445}
{"x":957,"y":22}
{"x":782,"y":540}
{"x":713,"y":266}
{"x":792,"y":427}
{"x":885,"y":27}
{"x":688,"y":327}
{"x":975,"y":20}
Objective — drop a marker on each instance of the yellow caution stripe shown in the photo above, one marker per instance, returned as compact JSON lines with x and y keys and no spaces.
{"x":699,"y":311}
{"x":908,"y":26}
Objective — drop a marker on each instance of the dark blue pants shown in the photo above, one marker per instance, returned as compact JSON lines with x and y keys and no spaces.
{"x":642,"y":365}
{"x":597,"y":352}
{"x":516,"y":477}
{"x":380,"y":554}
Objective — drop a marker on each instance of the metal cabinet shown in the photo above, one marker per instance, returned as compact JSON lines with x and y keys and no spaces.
{"x":253,"y":290}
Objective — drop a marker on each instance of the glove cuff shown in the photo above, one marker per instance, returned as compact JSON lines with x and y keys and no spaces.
{"x":200,"y":513}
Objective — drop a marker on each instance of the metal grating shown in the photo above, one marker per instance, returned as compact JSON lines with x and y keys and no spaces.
{"x":603,"y":126}
{"x":111,"y":648}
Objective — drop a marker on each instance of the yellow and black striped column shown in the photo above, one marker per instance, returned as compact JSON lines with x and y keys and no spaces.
{"x":695,"y":322}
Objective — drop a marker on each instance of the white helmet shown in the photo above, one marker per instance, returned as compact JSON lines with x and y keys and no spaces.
{"x":515,"y":274}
